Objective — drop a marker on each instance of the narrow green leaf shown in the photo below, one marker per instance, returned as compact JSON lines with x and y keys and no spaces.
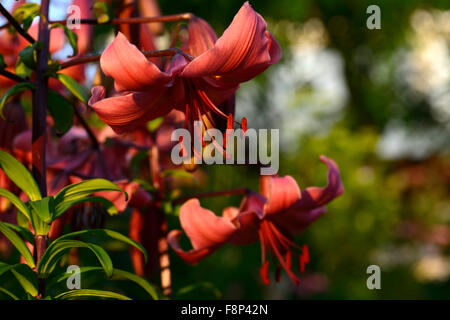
{"x":16,"y":89}
{"x":85,"y":293}
{"x":117,"y":275}
{"x":8,"y":293}
{"x":18,"y":243}
{"x":74,"y":87}
{"x":24,"y":275}
{"x":19,"y":175}
{"x":24,"y":232}
{"x":144,"y":284}
{"x":61,"y":111}
{"x":105,"y":234}
{"x":15,"y":201}
{"x":60,"y":246}
{"x":85,"y":188}
{"x":67,"y":204}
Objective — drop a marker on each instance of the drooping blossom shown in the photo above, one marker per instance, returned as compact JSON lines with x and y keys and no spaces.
{"x":272,"y":216}
{"x":194,"y":83}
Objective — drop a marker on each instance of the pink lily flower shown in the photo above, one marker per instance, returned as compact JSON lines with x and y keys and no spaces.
{"x":194,"y":85}
{"x":273,"y":217}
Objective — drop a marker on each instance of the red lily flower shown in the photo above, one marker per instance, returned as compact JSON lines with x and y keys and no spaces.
{"x":194,"y":85}
{"x":273,"y":217}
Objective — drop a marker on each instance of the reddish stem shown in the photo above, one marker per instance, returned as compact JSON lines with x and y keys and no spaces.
{"x":15,"y":24}
{"x":39,"y":123}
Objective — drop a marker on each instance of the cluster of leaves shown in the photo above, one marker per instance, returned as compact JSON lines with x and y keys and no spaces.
{"x":40,"y":212}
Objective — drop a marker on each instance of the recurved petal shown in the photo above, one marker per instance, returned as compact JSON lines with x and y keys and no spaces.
{"x":206,"y":231}
{"x":281,"y":192}
{"x":243,"y":51}
{"x":314,"y":197}
{"x":131,"y":70}
{"x":126,"y":112}
{"x":192,"y":256}
{"x":203,"y":227}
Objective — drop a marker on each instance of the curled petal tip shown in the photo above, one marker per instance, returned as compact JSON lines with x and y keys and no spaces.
{"x":98,"y":93}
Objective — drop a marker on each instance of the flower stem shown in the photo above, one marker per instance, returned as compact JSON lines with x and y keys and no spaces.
{"x":212,"y":194}
{"x":12,"y":76}
{"x":148,"y":54}
{"x":136,"y":20}
{"x":15,"y":24}
{"x":163,"y":245}
{"x":39,"y":123}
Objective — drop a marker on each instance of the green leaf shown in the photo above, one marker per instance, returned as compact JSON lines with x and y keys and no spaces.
{"x":16,"y":202}
{"x":179,"y":173}
{"x":74,"y":87}
{"x":2,"y":62}
{"x":101,"y":11}
{"x":70,"y":35}
{"x":22,"y":70}
{"x":151,"y":290}
{"x":28,"y":55}
{"x":105,"y":233}
{"x":84,"y":293}
{"x":61,"y":111}
{"x":154,"y":124}
{"x":65,"y":205}
{"x":8,"y":293}
{"x":19,"y":175}
{"x":18,"y":243}
{"x":24,"y":232}
{"x":15,"y":89}
{"x":43,"y":208}
{"x":85,"y":188}
{"x":60,"y":246}
{"x":117,"y":275}
{"x":26,"y":13}
{"x":24,"y":275}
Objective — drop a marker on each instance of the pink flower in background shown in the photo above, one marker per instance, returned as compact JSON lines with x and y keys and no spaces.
{"x":272,"y":216}
{"x":195,"y":86}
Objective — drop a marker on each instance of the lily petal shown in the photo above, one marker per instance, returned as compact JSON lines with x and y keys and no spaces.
{"x":201,"y":36}
{"x":243,"y":51}
{"x":281,"y":192}
{"x":314,"y":197}
{"x":311,"y":205}
{"x":206,"y":231}
{"x":131,"y":70}
{"x":126,"y":112}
